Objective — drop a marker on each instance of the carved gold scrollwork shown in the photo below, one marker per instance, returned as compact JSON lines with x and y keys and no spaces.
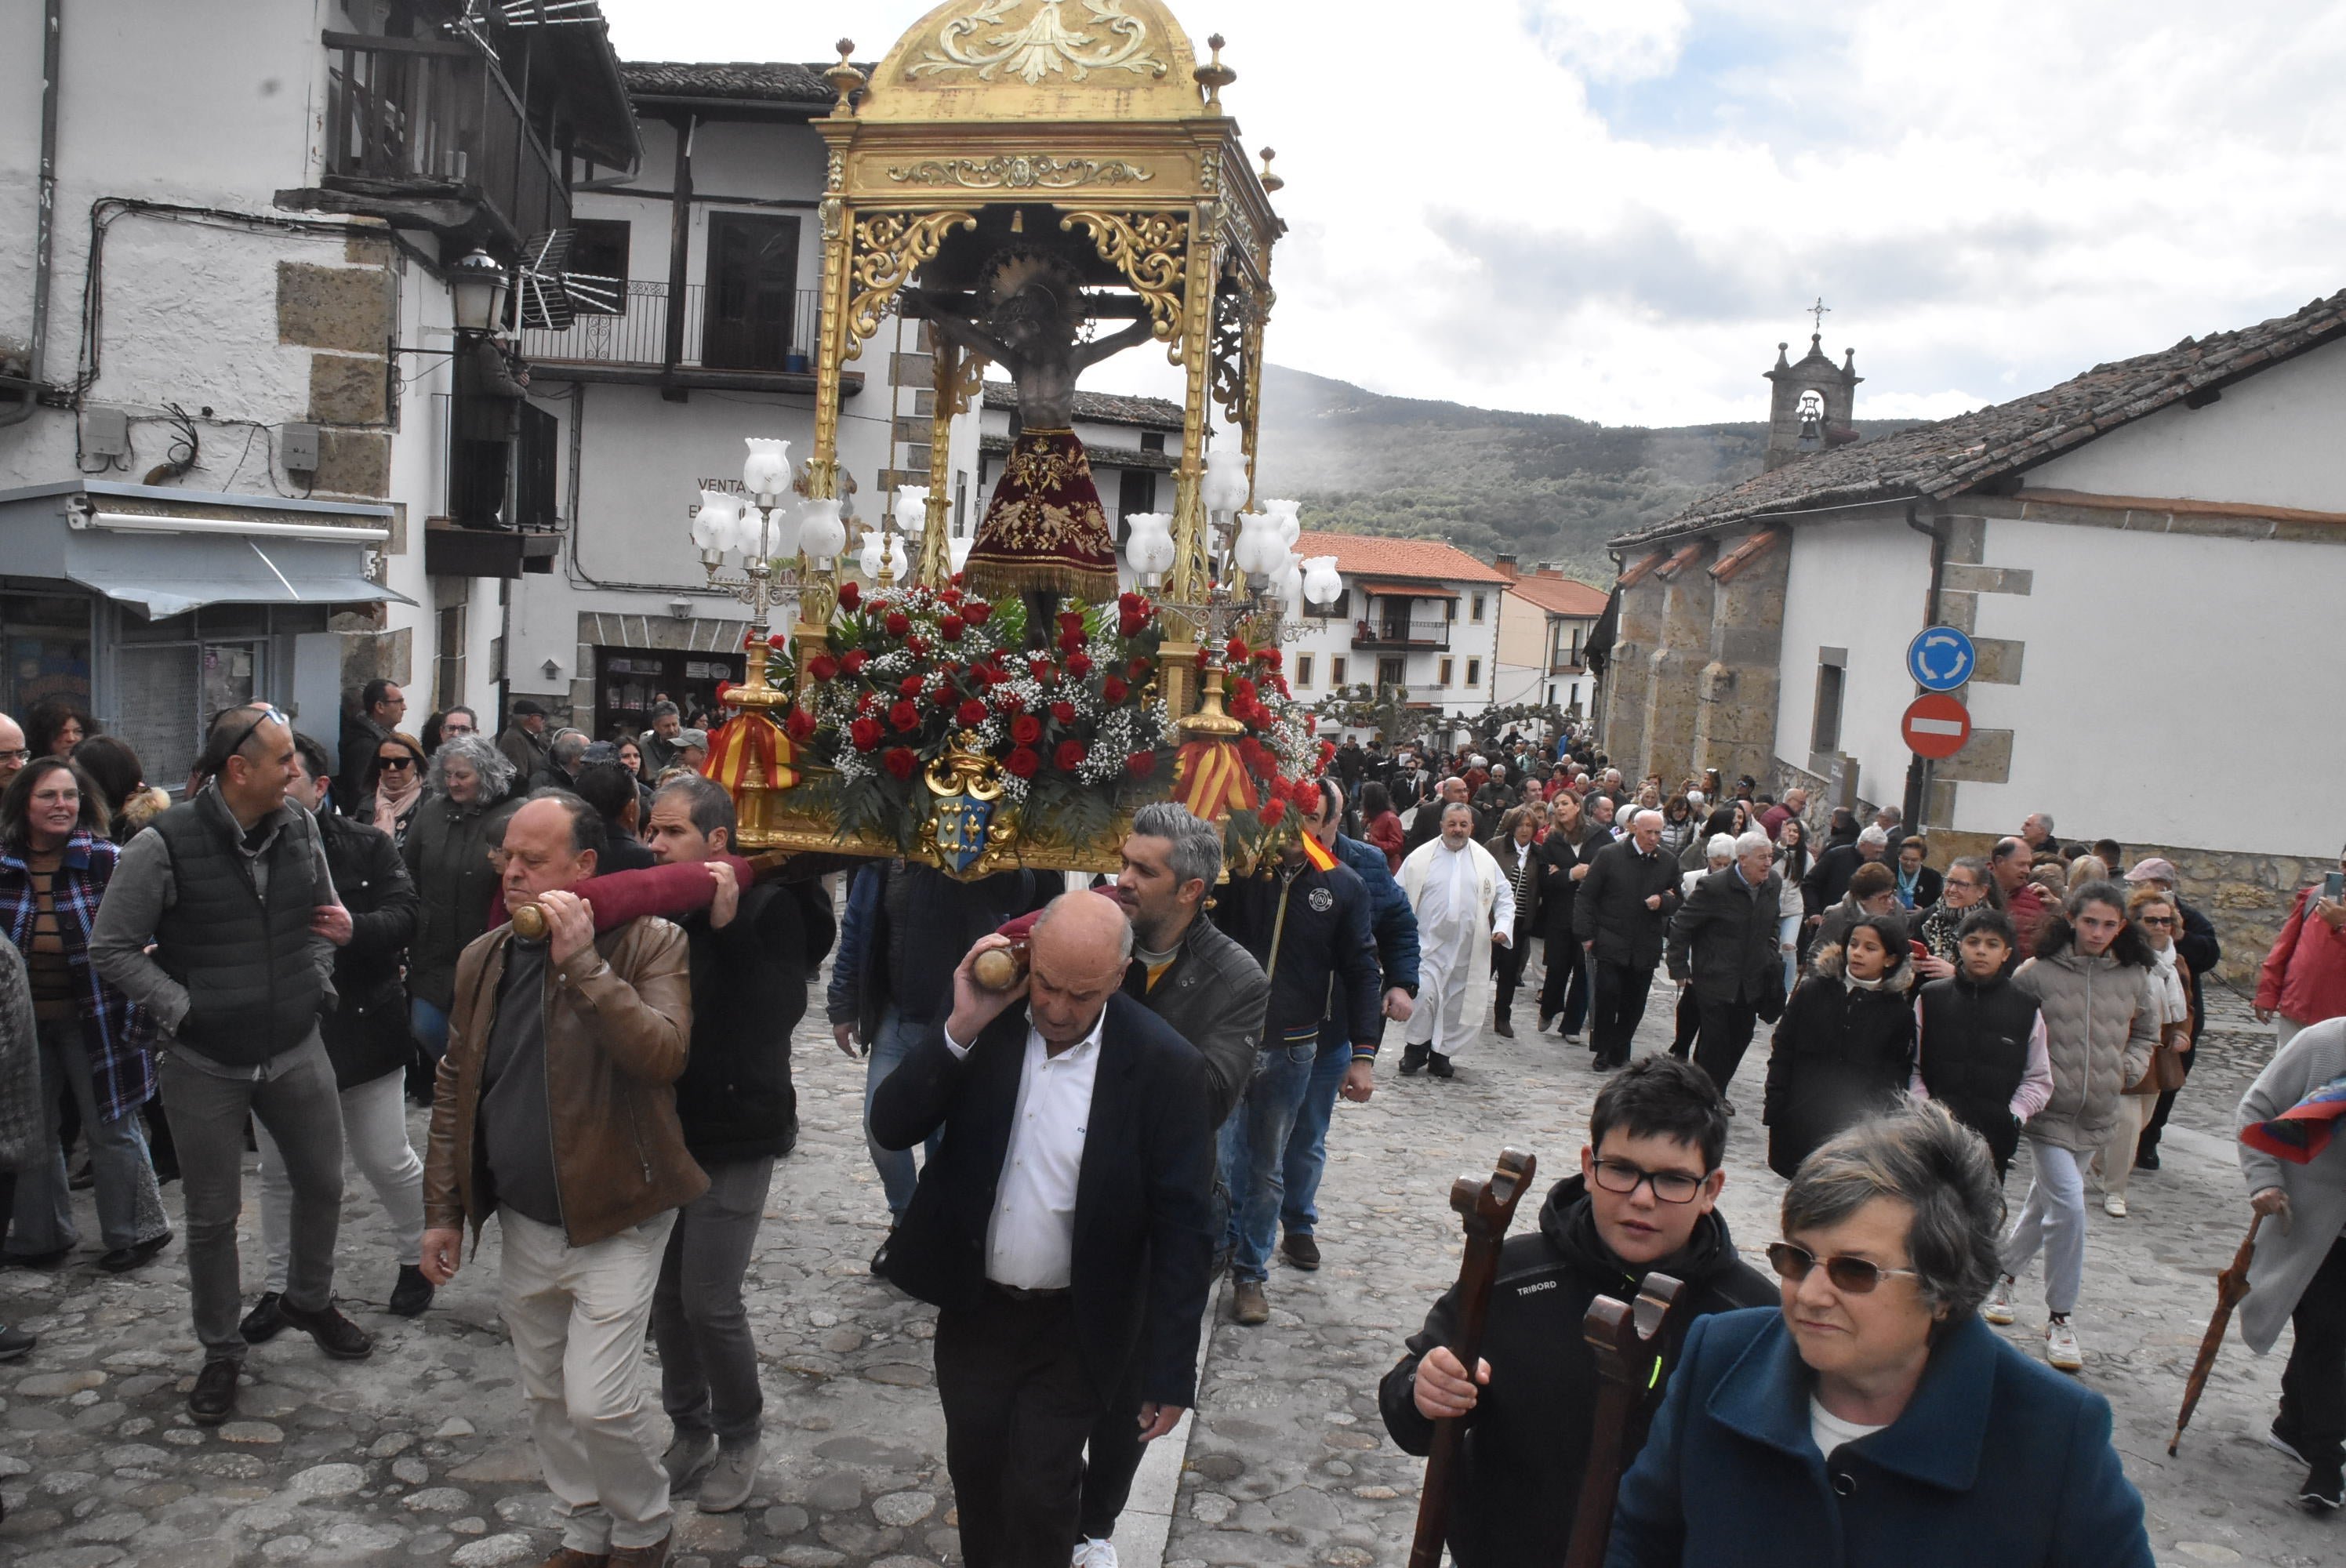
{"x":968,"y":381}
{"x":1021,"y":171}
{"x":1045,"y":45}
{"x":1151,"y":250}
{"x":1229,"y":367}
{"x":889,"y":247}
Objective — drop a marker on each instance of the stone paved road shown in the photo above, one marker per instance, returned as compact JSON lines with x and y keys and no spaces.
{"x":419,"y":1455}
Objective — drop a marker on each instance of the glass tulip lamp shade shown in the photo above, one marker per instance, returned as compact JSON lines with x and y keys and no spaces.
{"x":1259,"y":550}
{"x":1283,"y":518}
{"x":821,"y":535}
{"x":911,"y":509}
{"x":766,"y":472}
{"x":1226,"y":486}
{"x":958,"y":549}
{"x":1149,"y":550}
{"x":1321,"y":585}
{"x":713,"y":526}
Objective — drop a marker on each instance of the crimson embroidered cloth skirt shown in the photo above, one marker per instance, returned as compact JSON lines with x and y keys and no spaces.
{"x":1044,"y":531}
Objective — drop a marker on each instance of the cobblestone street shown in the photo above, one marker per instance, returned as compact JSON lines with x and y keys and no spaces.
{"x":419,"y":1455}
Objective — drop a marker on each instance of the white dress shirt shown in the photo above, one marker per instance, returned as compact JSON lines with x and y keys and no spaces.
{"x":1030,"y":1236}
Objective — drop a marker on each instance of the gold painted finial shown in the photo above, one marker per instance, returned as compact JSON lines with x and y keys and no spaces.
{"x":1271,"y":182}
{"x":844,"y":78}
{"x":1214,"y":75}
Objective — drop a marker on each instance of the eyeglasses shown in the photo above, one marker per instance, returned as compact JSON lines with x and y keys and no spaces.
{"x":263,"y":717}
{"x":1851,"y":1275}
{"x":2158,"y":920}
{"x":402,"y":760}
{"x":1670,"y":1187}
{"x":19,"y":757}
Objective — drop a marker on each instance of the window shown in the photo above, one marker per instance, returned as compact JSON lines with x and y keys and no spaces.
{"x":1341,"y":610}
{"x":47,"y":642}
{"x":1302,"y":670}
{"x":1478,"y":609}
{"x":1474,"y":672}
{"x":1152,"y":441}
{"x":1446,"y":672}
{"x":1136,"y":492}
{"x":538,"y":454}
{"x":1336,"y":670}
{"x":750,"y":305}
{"x":1389,"y":673}
{"x":598,"y":251}
{"x":628,"y":681}
{"x":1824,"y":732}
{"x":1450,"y":609}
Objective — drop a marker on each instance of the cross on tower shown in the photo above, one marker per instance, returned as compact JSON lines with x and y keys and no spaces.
{"x":1819,"y":310}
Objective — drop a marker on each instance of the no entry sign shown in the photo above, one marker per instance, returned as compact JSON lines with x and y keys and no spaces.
{"x":1936,"y":726}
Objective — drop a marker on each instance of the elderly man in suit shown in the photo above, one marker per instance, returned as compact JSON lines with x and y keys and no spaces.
{"x":1723,"y":942}
{"x":1062,"y":1228}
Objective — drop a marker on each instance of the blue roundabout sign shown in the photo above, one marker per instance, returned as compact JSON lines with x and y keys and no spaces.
{"x":1941,"y":658}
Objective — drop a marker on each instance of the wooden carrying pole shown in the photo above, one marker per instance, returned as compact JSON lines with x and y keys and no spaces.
{"x":1631,"y":1339}
{"x":1487,"y":1208}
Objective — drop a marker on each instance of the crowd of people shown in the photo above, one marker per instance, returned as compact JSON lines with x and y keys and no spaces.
{"x":295,"y":951}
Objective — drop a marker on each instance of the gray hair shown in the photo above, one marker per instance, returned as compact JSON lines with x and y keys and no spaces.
{"x":664,"y":707}
{"x":496,"y":770}
{"x":1637,"y":817}
{"x":1753,"y":842}
{"x":567,"y":747}
{"x":1922,"y":1157}
{"x":708,"y":802}
{"x":1197,"y":852}
{"x":1051,"y":912}
{"x":1450,"y":806}
{"x":1720,"y":847}
{"x":1874,"y":836}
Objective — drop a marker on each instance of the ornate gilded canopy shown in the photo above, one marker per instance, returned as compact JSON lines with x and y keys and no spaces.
{"x":1085,"y":127}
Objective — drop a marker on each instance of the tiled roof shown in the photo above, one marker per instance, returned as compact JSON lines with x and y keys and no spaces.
{"x":1100,"y":456}
{"x":1421,"y":560}
{"x":763,"y":81}
{"x":1101,"y":408}
{"x":1942,"y":460}
{"x":1560,"y":595}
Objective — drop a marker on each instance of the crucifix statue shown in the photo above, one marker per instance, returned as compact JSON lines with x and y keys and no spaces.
{"x":1044,"y":534}
{"x":1818,"y":311}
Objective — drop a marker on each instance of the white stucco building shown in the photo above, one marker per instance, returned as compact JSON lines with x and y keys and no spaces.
{"x":2150,"y":558}
{"x":1545,"y":621}
{"x":1415,"y":614}
{"x":233,"y":439}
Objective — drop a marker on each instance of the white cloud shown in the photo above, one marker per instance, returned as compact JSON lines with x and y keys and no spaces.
{"x":1618,"y":210}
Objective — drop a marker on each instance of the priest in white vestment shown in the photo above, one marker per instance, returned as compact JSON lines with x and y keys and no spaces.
{"x":1463,"y":904}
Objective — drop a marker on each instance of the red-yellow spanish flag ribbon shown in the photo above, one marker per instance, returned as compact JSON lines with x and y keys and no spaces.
{"x":1209,"y":779}
{"x":750,"y":736}
{"x":1317,"y":852}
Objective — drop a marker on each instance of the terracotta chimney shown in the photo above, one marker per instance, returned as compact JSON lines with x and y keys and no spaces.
{"x":1505,"y":562}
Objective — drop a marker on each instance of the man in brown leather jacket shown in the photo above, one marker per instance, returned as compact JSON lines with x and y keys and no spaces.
{"x":555,"y":1110}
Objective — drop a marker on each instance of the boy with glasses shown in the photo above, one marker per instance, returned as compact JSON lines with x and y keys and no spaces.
{"x":1645,"y":1199}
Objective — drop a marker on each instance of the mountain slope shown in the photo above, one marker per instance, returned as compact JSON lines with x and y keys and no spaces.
{"x":1548,"y":487}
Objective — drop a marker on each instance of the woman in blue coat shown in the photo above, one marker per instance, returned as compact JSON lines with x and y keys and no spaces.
{"x":1874,"y":1419}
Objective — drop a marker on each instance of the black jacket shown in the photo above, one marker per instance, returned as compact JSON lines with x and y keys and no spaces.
{"x":2196,"y":945}
{"x":254,"y":989}
{"x":1828,"y":879}
{"x":1611,"y":909}
{"x":1527,"y":1438}
{"x":749,"y":976}
{"x":1559,"y":894}
{"x":367,"y":1033}
{"x":1213,"y":995}
{"x":1142,"y":1247}
{"x":1326,"y":963}
{"x":1723,"y":938}
{"x":1971,"y":1051}
{"x":1839,"y":1055}
{"x":918,"y":918}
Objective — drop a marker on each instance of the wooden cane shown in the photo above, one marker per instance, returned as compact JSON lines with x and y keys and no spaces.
{"x":1631,"y":1339}
{"x":1488,"y":1208}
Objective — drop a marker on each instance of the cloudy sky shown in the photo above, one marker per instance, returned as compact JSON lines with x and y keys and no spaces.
{"x":1617,"y":209}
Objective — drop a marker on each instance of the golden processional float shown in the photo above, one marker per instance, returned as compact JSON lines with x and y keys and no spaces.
{"x":1013,"y":172}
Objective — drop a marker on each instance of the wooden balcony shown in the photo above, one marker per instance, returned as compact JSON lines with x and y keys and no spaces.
{"x":770,"y":349}
{"x":1394,"y":632}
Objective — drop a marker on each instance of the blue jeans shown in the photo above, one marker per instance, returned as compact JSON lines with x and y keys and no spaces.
{"x":898,"y":1174}
{"x":130,"y":1208}
{"x":1254,"y":1148}
{"x":1307,"y":1143}
{"x":429,"y":1027}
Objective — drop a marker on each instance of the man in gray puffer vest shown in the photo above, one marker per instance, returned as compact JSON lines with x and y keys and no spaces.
{"x":232,"y":889}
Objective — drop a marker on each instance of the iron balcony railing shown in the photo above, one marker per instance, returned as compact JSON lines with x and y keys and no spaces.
{"x":430,"y":118}
{"x":771,"y":333}
{"x":1395,"y":632}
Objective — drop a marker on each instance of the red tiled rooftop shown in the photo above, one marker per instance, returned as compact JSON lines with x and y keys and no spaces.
{"x":1420,"y":560}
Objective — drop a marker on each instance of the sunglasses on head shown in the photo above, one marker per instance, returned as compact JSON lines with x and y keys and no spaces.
{"x":1850,"y":1275}
{"x":265,"y":714}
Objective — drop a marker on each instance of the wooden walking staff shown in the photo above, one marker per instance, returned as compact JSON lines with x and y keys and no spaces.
{"x":1488,"y":1207}
{"x":2231,"y":1285}
{"x":1630,"y":1339}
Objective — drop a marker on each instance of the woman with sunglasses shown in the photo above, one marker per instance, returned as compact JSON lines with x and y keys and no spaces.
{"x":1872,"y":1418}
{"x":396,"y":784}
{"x":2155,"y":916}
{"x":1845,"y":1046}
{"x":2091,"y":975}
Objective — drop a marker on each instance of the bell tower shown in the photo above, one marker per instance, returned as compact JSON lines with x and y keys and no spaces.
{"x":1813,"y":402}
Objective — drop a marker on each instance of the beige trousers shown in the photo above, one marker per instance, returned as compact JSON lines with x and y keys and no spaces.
{"x":576,"y":1316}
{"x":2117,"y":1157}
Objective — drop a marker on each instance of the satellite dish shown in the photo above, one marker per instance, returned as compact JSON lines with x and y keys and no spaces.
{"x":552,"y":296}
